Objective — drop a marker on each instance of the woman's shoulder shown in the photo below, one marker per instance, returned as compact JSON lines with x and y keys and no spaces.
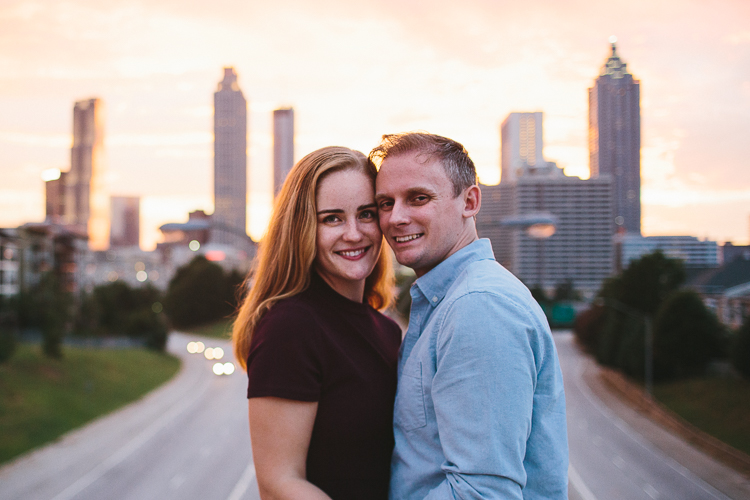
{"x":288,"y":316}
{"x":386,"y":322}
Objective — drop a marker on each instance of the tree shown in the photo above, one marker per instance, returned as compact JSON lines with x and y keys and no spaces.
{"x":565,"y":291}
{"x":8,"y":330}
{"x":687,"y":335}
{"x":630,"y":299}
{"x":587,"y":326}
{"x":648,"y":281}
{"x":200,"y":293}
{"x":740,"y":349}
{"x":53,"y":307}
{"x":117,"y":309}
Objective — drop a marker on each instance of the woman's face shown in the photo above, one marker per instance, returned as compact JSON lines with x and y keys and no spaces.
{"x":348,"y":235}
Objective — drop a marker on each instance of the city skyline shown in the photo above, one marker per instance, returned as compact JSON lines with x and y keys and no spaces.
{"x":452,"y":70}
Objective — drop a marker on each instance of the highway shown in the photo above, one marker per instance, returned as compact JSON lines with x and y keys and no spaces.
{"x":189,"y":440}
{"x":610,"y":460}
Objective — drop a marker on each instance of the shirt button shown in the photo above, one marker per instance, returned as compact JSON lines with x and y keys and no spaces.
{"x":434,"y":299}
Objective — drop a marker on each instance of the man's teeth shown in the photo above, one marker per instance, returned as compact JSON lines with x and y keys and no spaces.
{"x":352,"y":253}
{"x":403,"y":239}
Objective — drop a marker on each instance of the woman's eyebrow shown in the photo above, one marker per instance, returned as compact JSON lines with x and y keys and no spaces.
{"x":364,"y":207}
{"x":331,"y":211}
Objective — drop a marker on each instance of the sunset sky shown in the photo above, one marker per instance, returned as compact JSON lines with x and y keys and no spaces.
{"x":356,"y":69}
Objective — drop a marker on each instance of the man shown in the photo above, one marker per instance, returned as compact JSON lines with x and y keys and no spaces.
{"x":480,"y":407}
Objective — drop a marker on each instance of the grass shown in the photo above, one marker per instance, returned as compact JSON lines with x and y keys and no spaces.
{"x":718,"y":406}
{"x":221,"y":329}
{"x":42,"y":398}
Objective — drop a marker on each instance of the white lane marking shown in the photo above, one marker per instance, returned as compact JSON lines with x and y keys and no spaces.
{"x":97,"y":472}
{"x":619,"y":462}
{"x":577,"y":483}
{"x":651,"y":491}
{"x":635,"y":436}
{"x":176,"y":481}
{"x":243,"y":484}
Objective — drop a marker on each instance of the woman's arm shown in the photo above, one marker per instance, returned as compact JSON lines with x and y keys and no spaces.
{"x":280,"y":431}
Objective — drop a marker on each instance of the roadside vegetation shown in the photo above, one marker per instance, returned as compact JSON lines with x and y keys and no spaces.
{"x":701,"y":369}
{"x":221,"y":329}
{"x":42,"y":398}
{"x":719,"y":406}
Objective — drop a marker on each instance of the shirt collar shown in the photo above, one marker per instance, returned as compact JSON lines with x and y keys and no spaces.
{"x":438,"y":280}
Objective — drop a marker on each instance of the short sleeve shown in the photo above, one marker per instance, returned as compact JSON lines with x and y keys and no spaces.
{"x":284,"y":361}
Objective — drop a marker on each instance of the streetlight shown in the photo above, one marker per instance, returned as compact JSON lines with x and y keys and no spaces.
{"x":538,"y":226}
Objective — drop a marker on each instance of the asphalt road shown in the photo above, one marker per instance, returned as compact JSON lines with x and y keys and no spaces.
{"x":608,"y":458}
{"x":188,"y":440}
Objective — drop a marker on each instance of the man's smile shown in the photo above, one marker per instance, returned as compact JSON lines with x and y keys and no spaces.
{"x":404,"y":239}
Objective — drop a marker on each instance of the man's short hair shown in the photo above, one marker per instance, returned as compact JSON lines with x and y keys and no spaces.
{"x":454,"y":157}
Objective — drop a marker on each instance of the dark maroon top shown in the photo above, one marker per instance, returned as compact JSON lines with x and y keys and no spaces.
{"x":320,"y":346}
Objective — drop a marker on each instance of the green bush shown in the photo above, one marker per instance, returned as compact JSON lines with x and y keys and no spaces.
{"x":687,"y":335}
{"x":149,"y":326}
{"x":200,"y":293}
{"x":8,"y":335}
{"x":740,"y":349}
{"x":116,"y":309}
{"x":587,"y":326}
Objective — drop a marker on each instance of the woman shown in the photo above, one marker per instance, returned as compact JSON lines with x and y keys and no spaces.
{"x":320,"y":359}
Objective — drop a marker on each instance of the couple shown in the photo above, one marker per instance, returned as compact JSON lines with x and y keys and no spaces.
{"x":479,"y":404}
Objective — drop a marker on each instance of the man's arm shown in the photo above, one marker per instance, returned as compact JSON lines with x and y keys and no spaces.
{"x":483,"y":393}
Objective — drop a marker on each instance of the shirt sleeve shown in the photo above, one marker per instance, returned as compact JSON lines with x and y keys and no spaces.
{"x":483,"y":392}
{"x":284,"y":360}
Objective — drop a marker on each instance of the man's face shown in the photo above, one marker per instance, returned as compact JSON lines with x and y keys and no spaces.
{"x":421,"y":219}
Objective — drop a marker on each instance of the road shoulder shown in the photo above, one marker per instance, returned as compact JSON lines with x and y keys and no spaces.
{"x":688,"y":446}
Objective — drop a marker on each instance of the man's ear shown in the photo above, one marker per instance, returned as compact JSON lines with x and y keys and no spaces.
{"x":472,"y":201}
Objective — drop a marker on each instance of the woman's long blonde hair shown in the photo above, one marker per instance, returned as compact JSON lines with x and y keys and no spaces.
{"x":287,"y":252}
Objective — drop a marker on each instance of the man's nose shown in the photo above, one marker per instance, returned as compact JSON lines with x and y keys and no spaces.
{"x":399,"y":214}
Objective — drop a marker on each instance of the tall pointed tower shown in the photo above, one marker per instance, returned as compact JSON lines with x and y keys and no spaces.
{"x":230,"y":163}
{"x":615,"y":138}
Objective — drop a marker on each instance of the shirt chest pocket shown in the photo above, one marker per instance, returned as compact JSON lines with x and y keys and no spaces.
{"x":409,"y":412}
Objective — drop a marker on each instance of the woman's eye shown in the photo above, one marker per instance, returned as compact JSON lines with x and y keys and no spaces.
{"x":368,"y":215}
{"x":330,"y":219}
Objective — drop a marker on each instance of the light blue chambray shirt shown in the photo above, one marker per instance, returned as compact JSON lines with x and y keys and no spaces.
{"x":480,"y":406}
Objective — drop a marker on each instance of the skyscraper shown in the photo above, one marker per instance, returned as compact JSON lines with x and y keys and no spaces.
{"x":85,"y":197}
{"x":615,"y":138}
{"x":521,"y":143}
{"x":125,"y":226}
{"x":283,"y":146}
{"x":580,"y":251}
{"x":229,"y":219}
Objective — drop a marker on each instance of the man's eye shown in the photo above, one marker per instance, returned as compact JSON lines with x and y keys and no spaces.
{"x":385,"y":205}
{"x":420,"y":199}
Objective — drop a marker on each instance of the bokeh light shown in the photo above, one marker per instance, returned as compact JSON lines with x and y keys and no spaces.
{"x":194,"y":245}
{"x":223,"y":368}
